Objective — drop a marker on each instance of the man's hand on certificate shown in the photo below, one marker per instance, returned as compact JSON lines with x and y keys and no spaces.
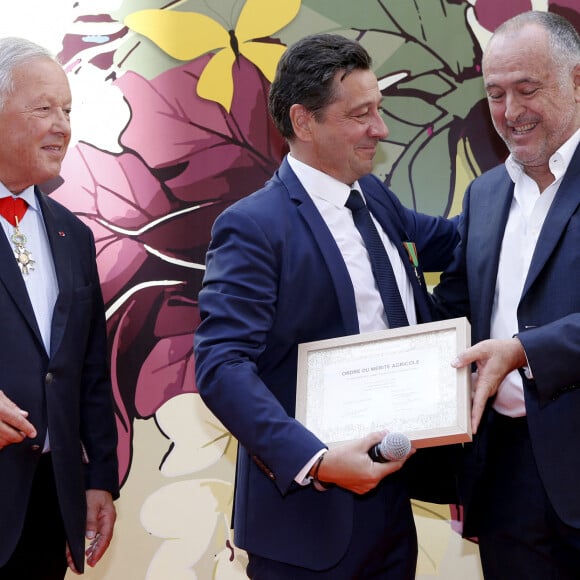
{"x":350,"y":467}
{"x":494,"y":358}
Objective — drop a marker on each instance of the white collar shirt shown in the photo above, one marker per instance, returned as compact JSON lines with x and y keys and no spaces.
{"x":41,"y":282}
{"x":527,"y":214}
{"x":329,"y":196}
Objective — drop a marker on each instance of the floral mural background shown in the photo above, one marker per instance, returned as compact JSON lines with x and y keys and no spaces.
{"x":170,"y":126}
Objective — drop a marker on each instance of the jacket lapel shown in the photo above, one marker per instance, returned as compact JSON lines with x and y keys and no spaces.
{"x":328,"y":247}
{"x":491,"y":208}
{"x":398,"y":237}
{"x":563,"y":207}
{"x":59,"y":243}
{"x":11,"y":279}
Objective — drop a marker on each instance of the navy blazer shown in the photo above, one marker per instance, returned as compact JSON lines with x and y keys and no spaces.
{"x":548,"y":321}
{"x":275,"y":278}
{"x":68,"y":391}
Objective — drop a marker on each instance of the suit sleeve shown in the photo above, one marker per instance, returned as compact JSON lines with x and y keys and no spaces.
{"x":435,"y":237}
{"x":238,"y":309}
{"x":551,"y":351}
{"x":451,"y":295}
{"x":98,"y":429}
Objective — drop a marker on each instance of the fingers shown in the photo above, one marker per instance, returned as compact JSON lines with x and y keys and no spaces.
{"x":477,"y":407}
{"x":14,"y":426}
{"x":382,"y":470}
{"x":350,"y":467}
{"x":466,"y":357}
{"x":70,"y":561}
{"x":372,"y":439}
{"x":495,"y":358}
{"x":101,"y":516}
{"x":484,"y":384}
{"x":101,"y":539}
{"x":97,"y":547}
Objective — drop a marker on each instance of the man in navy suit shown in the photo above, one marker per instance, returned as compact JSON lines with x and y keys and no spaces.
{"x":286,"y":265}
{"x":516,"y":276}
{"x":58,"y":461}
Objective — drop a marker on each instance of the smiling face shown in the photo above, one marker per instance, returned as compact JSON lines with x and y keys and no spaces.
{"x":534,"y":106}
{"x":342,"y":140}
{"x":34,"y":124}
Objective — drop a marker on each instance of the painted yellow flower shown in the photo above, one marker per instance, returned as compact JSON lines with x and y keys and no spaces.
{"x":188,"y":35}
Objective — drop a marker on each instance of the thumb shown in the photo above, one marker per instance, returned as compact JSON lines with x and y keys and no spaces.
{"x":91,"y":525}
{"x":464,"y":358}
{"x":373,"y":438}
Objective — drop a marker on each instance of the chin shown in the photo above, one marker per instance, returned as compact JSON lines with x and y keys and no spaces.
{"x":45,"y":176}
{"x":525,"y":155}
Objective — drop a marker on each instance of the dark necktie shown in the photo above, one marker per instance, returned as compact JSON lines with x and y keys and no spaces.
{"x":380,"y":263}
{"x":13,"y":209}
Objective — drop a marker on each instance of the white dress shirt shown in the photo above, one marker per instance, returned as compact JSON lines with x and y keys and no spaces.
{"x":41,"y":282}
{"x":329,"y":196}
{"x":526,"y":218}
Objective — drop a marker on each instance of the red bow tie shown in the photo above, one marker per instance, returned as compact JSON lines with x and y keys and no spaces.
{"x":13,"y":209}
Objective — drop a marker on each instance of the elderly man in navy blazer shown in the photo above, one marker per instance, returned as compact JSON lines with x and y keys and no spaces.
{"x":287,"y":265}
{"x":58,"y":461}
{"x":516,"y":276}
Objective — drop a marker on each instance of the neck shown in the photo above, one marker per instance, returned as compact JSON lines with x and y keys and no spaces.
{"x":541,"y":175}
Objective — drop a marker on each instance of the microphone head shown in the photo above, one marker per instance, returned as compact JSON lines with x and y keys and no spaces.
{"x":395,"y":446}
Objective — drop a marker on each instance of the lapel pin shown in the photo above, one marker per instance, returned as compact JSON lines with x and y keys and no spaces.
{"x":413,"y":258}
{"x":61,"y":234}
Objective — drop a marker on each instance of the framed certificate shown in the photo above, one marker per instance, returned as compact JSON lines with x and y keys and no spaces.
{"x":398,"y":379}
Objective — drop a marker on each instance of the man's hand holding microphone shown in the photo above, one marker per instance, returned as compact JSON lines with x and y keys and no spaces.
{"x":360,"y":465}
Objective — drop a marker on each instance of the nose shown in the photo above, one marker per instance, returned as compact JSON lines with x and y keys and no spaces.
{"x":61,"y":121}
{"x":378,"y":128}
{"x":513,"y":107}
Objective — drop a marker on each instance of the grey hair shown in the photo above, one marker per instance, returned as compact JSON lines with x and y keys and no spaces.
{"x":14,"y":52}
{"x":563,"y":38}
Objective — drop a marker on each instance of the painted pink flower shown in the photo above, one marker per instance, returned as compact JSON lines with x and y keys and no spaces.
{"x":491,"y":13}
{"x":151,"y":208}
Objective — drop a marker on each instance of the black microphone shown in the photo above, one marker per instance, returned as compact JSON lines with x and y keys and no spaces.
{"x":393,"y":447}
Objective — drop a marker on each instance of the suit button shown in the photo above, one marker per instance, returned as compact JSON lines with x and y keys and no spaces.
{"x":48,"y":378}
{"x":35,"y":447}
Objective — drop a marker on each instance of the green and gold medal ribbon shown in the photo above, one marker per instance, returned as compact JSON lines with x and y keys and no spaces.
{"x":413,"y":258}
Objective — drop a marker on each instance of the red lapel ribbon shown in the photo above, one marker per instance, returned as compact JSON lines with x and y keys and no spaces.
{"x":13,"y":209}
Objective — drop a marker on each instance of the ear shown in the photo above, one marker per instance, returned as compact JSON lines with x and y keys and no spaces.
{"x":576,"y":74}
{"x":301,"y":119}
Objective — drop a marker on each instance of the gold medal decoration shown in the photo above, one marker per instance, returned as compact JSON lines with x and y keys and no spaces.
{"x":23,"y":256}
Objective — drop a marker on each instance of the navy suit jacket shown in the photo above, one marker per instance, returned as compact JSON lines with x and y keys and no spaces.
{"x":549,"y":326}
{"x":275,"y":278}
{"x":67,"y":391}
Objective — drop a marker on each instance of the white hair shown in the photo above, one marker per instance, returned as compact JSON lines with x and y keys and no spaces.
{"x":14,"y":52}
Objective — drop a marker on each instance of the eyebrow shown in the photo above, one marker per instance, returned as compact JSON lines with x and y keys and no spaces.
{"x":523,"y":81}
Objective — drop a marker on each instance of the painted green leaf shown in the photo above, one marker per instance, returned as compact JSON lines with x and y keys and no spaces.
{"x":410,"y":57}
{"x":423,"y":113}
{"x":462,"y":99}
{"x":438,"y":25}
{"x":422,"y":176}
{"x":361,"y":15}
{"x":428,"y":82}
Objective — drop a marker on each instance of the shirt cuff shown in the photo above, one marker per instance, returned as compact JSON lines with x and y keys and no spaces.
{"x":302,"y":478}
